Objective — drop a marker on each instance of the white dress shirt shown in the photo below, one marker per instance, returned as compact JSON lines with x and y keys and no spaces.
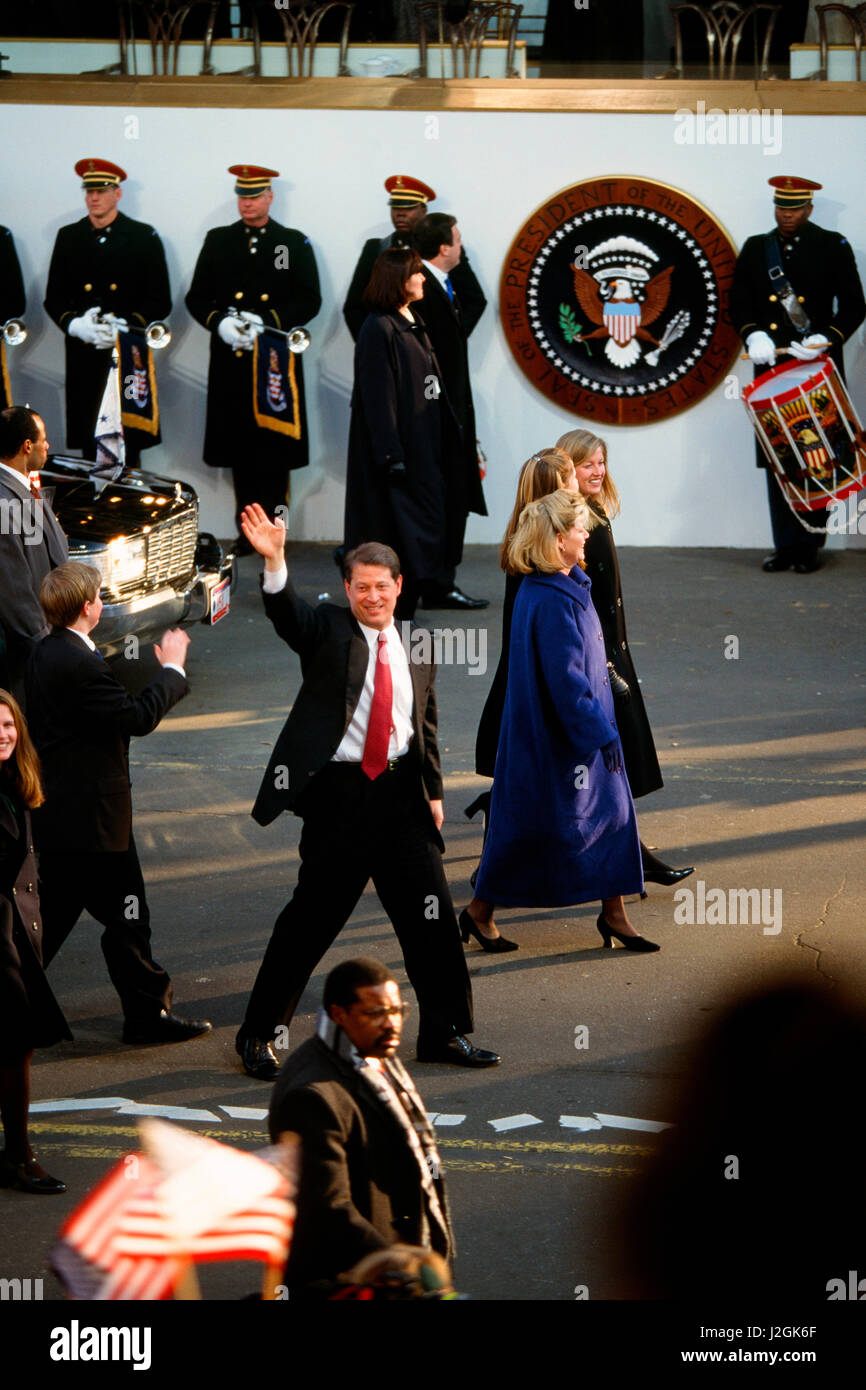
{"x":351,"y":749}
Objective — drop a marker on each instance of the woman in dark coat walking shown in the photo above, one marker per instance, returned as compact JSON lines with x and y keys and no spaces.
{"x":589,"y":456}
{"x":402,"y":427}
{"x":29,"y":1014}
{"x":562,"y":823}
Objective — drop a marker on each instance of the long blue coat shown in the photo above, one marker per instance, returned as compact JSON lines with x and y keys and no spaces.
{"x":562,"y":827}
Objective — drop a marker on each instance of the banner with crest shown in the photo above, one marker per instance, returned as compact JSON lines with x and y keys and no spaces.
{"x":276,"y":404}
{"x":139,"y":403}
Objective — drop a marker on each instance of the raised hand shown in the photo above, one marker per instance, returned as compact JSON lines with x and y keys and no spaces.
{"x":265,"y":536}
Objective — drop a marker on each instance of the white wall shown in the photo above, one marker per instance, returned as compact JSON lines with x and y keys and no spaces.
{"x":689,"y":480}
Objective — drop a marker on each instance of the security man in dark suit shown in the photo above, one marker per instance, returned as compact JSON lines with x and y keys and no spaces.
{"x":252,"y":275}
{"x":438,"y":243}
{"x":107,"y":273}
{"x":358,"y":760}
{"x":81,"y":719}
{"x":13,"y":302}
{"x":408,"y":199}
{"x":797,"y":288}
{"x":371,"y":1176}
{"x":31,"y":543}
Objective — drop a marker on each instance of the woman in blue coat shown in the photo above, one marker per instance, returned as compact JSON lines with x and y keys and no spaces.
{"x":562,"y":824}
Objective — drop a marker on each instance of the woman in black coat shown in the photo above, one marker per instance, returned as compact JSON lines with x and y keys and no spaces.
{"x":402,"y":427}
{"x":589,"y":456}
{"x":29,"y":1014}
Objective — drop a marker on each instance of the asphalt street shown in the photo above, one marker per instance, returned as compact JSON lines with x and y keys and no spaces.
{"x":762,"y":749}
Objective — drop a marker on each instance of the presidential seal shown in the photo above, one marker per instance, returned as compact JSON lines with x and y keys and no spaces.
{"x":614,"y":300}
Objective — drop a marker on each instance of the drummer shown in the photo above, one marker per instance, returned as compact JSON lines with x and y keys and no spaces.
{"x":795,"y":291}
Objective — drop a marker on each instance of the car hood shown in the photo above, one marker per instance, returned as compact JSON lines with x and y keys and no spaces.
{"x":89,"y":505}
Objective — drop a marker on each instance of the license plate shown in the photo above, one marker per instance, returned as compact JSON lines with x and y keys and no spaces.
{"x":219,"y":601}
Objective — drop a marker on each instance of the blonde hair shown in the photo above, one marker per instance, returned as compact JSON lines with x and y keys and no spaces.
{"x":23,"y":769}
{"x":65,"y":590}
{"x":579,"y":444}
{"x":547,"y":471}
{"x":533,"y":545}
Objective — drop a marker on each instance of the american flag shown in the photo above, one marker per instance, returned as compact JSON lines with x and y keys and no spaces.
{"x":138,"y":1231}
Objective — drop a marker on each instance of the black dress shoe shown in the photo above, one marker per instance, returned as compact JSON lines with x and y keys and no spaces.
{"x":165,"y":1028}
{"x":654,"y":871}
{"x":458,"y":1050}
{"x":807,"y":565}
{"x":468,"y":928}
{"x":453,"y":598}
{"x":16,"y":1175}
{"x":259,"y":1058}
{"x":779,"y":560}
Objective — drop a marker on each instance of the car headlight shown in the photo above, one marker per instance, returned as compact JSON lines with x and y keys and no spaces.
{"x":125,"y":561}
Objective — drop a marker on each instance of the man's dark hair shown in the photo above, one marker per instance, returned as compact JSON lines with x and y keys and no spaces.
{"x":386,"y":289}
{"x":433,"y":231}
{"x":346,"y":979}
{"x":17,"y":423}
{"x":372,"y":553}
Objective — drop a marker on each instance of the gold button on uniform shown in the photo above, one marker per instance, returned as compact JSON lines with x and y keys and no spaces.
{"x":264,"y":298}
{"x":239,"y":295}
{"x":801,"y":299}
{"x":773,"y":298}
{"x":87,"y":289}
{"x":112,"y":287}
{"x":773,"y":327}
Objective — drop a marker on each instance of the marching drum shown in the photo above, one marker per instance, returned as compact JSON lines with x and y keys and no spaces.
{"x":810,"y":432}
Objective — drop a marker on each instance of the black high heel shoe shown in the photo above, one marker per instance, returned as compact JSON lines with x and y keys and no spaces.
{"x":481,"y":803}
{"x":489,"y":943}
{"x":631,"y":943}
{"x":654,"y":871}
{"x":16,"y":1175}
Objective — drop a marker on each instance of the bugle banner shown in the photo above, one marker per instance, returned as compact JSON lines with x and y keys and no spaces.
{"x":139,"y":402}
{"x":276,"y":404}
{"x":5,"y":389}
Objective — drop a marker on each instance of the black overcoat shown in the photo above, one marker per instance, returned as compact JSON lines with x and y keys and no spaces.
{"x":276,"y":278}
{"x":82,"y":719}
{"x":360,"y":1189}
{"x":121,"y":268}
{"x":13,"y":300}
{"x":472,"y":299}
{"x":821,"y":268}
{"x":399,"y":414}
{"x":22,"y":569}
{"x":448,"y":338}
{"x":639,"y":754}
{"x":29,"y":1014}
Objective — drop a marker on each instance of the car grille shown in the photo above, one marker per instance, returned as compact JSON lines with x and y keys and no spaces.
{"x":170,"y":553}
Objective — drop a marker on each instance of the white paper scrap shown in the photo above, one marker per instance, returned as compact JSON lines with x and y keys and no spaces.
{"x":627,"y":1122}
{"x":579,"y":1122}
{"x":45,"y":1107}
{"x":244,"y":1112}
{"x":168,"y":1112}
{"x":448,"y":1120}
{"x":514,"y":1122}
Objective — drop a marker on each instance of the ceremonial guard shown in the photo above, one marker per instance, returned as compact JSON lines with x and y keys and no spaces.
{"x":408,"y":199}
{"x":107,"y":281}
{"x":255,"y":278}
{"x":13,"y":302}
{"x":795,"y":289}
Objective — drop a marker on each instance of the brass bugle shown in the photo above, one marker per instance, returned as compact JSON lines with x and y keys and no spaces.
{"x":298,"y":339}
{"x":157,"y":335}
{"x":14,"y":332}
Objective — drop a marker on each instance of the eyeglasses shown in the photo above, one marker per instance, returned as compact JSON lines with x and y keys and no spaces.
{"x":377,"y":1015}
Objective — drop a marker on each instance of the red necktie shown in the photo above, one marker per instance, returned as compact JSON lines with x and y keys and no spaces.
{"x":375,"y":758}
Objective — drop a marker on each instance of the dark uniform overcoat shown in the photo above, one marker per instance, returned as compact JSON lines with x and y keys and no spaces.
{"x":121,"y":268}
{"x":13,"y":300}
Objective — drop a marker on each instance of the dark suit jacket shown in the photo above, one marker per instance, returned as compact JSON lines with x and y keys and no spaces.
{"x":360,"y":1189}
{"x":463,"y":279}
{"x":334,"y":656}
{"x":81,"y":719}
{"x":447,"y":333}
{"x":22,"y":569}
{"x":127,"y":276}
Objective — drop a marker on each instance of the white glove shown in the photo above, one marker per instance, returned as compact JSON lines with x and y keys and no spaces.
{"x":760,"y":347}
{"x":255,"y":322}
{"x":119,"y":325}
{"x":234,"y":333}
{"x":810,"y":348}
{"x":87,"y":329}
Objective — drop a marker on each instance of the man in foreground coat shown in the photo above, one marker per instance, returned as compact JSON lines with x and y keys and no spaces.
{"x":370,"y":1170}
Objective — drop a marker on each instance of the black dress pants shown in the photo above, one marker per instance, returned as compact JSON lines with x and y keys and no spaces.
{"x":789,"y":537}
{"x":356,"y":829}
{"x":110,"y":887}
{"x":260,"y":481}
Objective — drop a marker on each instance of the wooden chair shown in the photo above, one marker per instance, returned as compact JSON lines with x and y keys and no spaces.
{"x":724,"y":23}
{"x":856,"y":19}
{"x":300,"y":21}
{"x":484,"y":20}
{"x":165,"y":20}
